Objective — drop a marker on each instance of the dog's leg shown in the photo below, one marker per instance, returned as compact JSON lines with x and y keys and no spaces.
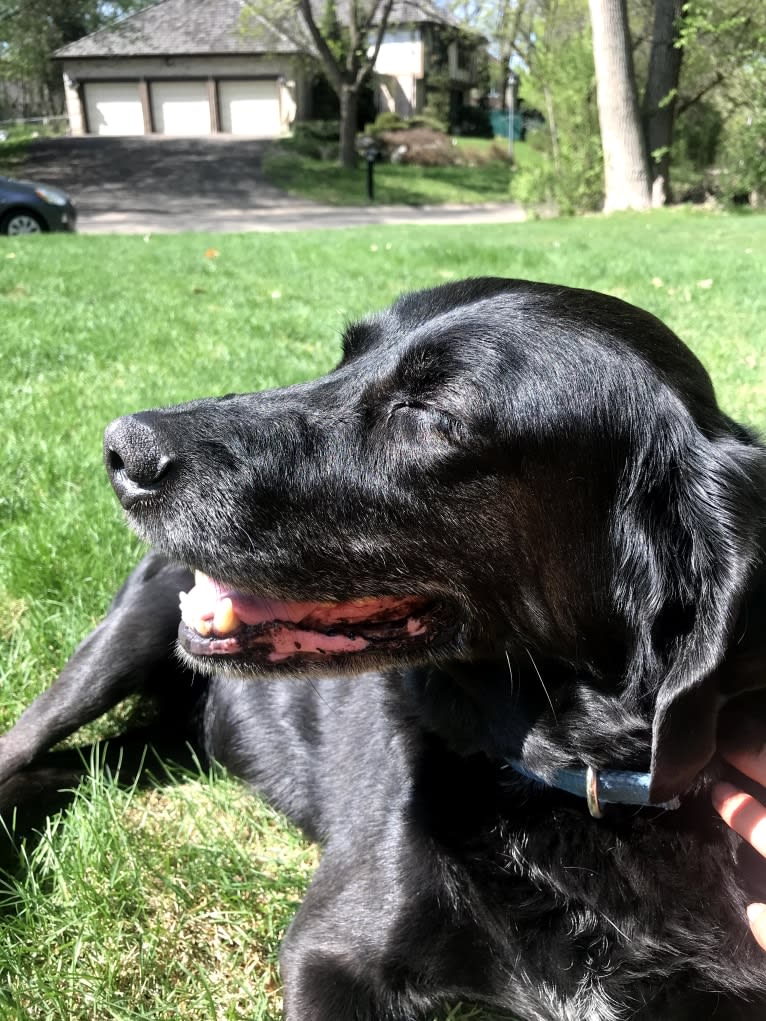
{"x":128,"y":650}
{"x":338,"y":963}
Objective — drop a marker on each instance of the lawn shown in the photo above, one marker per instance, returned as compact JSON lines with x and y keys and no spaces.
{"x":170,"y":903}
{"x":482,"y":179}
{"x":13,"y":150}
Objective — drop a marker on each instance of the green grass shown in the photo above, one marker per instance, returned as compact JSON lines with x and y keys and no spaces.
{"x":14,"y":149}
{"x":170,"y":903}
{"x":483,"y":179}
{"x":12,"y":154}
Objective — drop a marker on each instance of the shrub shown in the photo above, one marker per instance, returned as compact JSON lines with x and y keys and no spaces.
{"x":424,"y":120}
{"x":420,"y":146}
{"x":387,"y":121}
{"x":319,"y":140}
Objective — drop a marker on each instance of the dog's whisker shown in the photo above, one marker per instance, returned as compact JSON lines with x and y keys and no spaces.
{"x":318,"y":694}
{"x":510,"y":672}
{"x":616,"y":927}
{"x":542,"y":682}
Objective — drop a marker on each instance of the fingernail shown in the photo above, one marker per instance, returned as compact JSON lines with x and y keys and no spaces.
{"x":721,"y":791}
{"x":754,"y":911}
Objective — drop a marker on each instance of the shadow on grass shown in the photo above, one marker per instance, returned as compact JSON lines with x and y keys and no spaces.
{"x":140,"y":759}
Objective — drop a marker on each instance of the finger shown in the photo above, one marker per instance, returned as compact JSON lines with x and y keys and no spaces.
{"x":743,"y":813}
{"x":756,"y":914}
{"x":752,"y":764}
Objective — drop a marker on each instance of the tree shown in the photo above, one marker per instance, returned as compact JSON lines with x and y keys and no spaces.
{"x":626,"y":172}
{"x":31,"y":30}
{"x":350,"y":72}
{"x":661,"y":94}
{"x":346,"y":42}
{"x":554,"y":50}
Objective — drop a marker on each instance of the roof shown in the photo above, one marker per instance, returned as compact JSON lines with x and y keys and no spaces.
{"x":183,"y":27}
{"x":199,"y":27}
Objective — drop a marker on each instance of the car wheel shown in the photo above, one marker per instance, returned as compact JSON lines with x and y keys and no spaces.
{"x":21,"y":222}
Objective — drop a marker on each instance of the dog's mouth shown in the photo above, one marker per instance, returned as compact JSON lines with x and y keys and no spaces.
{"x":218,"y":620}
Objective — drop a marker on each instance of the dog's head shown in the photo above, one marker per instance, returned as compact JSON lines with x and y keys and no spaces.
{"x":497,"y":470}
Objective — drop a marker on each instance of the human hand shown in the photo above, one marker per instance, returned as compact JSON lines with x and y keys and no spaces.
{"x":747,"y":817}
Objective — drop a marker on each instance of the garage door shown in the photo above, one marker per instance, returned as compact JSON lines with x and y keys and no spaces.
{"x":250,"y":108}
{"x":114,"y":108}
{"x":181,"y":108}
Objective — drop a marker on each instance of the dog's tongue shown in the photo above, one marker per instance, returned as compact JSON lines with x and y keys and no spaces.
{"x":212,"y":607}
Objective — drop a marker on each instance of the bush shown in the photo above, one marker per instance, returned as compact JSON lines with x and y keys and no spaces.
{"x":387,"y":121}
{"x":424,"y":120}
{"x":319,"y":140}
{"x":421,"y":147}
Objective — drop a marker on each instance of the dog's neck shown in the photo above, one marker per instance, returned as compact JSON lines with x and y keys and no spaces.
{"x":540,"y":714}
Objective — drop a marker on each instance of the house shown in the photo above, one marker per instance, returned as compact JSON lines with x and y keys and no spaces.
{"x":199,"y":67}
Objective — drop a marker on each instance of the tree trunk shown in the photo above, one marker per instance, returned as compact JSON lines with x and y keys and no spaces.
{"x":660,"y":97}
{"x":349,"y":104}
{"x":625,"y":165}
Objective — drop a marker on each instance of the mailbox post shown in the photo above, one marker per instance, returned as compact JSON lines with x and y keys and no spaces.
{"x":370,"y":150}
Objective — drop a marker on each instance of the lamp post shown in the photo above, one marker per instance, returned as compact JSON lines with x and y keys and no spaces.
{"x":513,"y":84}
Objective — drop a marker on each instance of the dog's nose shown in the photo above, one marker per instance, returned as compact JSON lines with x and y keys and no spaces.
{"x":137,"y":460}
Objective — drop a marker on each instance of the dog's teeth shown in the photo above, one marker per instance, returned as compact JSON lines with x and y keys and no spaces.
{"x":203,"y":627}
{"x":225,"y":620}
{"x":200,"y":577}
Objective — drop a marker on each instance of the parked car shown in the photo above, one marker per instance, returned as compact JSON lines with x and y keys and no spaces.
{"x":30,"y":208}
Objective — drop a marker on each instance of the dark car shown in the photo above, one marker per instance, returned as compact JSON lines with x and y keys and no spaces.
{"x":30,"y":208}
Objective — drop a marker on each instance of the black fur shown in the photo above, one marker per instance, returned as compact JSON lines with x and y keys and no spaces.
{"x":549,"y":469}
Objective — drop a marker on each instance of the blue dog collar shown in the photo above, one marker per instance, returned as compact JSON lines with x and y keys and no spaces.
{"x":599,"y":787}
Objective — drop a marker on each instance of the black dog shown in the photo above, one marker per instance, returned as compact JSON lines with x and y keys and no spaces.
{"x":520,"y":550}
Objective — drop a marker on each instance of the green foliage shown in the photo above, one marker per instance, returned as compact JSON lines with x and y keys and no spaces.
{"x":389,"y":121}
{"x":698,"y":135}
{"x":466,"y":183}
{"x":561,"y":84}
{"x":30,"y":32}
{"x":314,"y":139}
{"x":743,"y":159}
{"x":335,"y":35}
{"x":424,"y":120}
{"x":723,"y":96}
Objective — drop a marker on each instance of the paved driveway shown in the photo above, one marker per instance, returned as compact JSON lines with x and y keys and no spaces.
{"x":154,"y":184}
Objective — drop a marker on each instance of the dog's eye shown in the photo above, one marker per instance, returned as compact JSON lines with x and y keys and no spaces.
{"x":411,"y":405}
{"x":426,"y":417}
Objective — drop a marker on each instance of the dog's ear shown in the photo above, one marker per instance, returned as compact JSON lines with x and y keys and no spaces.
{"x":689,"y":541}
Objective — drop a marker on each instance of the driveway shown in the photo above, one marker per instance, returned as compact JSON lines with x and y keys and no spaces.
{"x":158,"y":185}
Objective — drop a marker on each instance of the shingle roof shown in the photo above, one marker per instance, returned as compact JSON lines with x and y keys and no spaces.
{"x":189,"y":27}
{"x":183,"y":27}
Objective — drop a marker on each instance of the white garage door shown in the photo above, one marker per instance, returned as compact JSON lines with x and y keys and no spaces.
{"x":180,"y":108}
{"x":250,"y":108}
{"x":114,"y":108}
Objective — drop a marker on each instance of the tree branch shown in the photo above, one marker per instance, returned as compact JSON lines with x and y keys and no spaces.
{"x":332,"y":67}
{"x":684,"y":104}
{"x":366,"y":68}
